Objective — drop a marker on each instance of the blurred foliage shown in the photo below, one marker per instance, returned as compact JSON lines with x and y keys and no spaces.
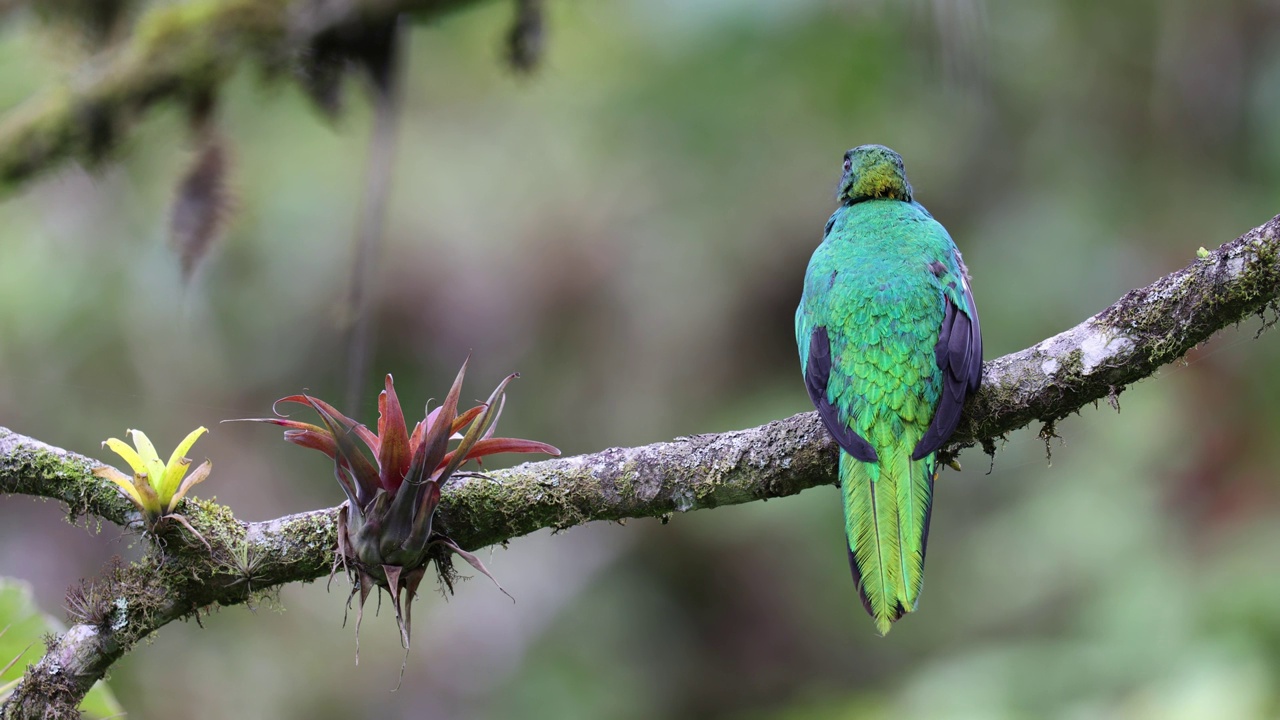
{"x":629,"y":226}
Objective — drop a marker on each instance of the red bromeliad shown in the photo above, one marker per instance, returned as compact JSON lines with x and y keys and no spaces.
{"x":384,"y":528}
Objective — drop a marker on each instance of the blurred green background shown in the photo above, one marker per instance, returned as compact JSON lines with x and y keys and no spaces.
{"x":628,"y":228}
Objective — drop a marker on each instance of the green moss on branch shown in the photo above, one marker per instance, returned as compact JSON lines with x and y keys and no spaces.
{"x":1147,"y":328}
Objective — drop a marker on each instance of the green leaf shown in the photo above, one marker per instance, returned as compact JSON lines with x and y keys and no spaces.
{"x":22,"y":642}
{"x":177,"y":465}
{"x":150,"y":458}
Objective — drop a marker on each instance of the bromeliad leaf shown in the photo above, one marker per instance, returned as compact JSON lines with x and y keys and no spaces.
{"x":156,"y":487}
{"x":385,"y":530}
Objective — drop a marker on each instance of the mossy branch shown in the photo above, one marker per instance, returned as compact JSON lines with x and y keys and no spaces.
{"x":1126,"y":342}
{"x":177,"y":52}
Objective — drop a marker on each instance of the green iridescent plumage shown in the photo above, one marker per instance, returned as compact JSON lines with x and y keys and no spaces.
{"x":890,"y":346}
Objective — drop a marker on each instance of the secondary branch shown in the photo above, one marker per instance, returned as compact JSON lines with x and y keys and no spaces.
{"x":177,"y":52}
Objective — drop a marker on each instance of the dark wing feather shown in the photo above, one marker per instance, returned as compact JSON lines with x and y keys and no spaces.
{"x":942,"y":349}
{"x":975,"y":350}
{"x":817,"y":372}
{"x":857,"y":582}
{"x":959,"y":356}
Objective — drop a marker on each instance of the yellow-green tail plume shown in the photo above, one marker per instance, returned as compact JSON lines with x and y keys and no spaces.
{"x":886,"y":516}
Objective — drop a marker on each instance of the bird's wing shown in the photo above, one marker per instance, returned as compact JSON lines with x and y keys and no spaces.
{"x":817,"y":373}
{"x":958,"y":354}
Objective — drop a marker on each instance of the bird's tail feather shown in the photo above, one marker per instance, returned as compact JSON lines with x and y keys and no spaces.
{"x":886,"y":510}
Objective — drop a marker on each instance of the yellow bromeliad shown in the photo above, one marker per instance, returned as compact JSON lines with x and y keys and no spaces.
{"x":156,"y":487}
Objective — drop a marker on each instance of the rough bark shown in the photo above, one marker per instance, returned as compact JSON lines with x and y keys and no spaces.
{"x":1128,"y":341}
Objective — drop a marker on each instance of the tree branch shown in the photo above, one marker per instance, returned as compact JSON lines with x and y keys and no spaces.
{"x":177,"y":53}
{"x":1094,"y":360}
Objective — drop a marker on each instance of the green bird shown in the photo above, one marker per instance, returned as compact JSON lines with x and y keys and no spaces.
{"x":890,"y":347}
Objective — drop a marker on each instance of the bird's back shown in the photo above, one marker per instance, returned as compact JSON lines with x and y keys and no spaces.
{"x":870,"y":285}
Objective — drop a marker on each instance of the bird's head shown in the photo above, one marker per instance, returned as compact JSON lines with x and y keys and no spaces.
{"x":873,"y":171}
